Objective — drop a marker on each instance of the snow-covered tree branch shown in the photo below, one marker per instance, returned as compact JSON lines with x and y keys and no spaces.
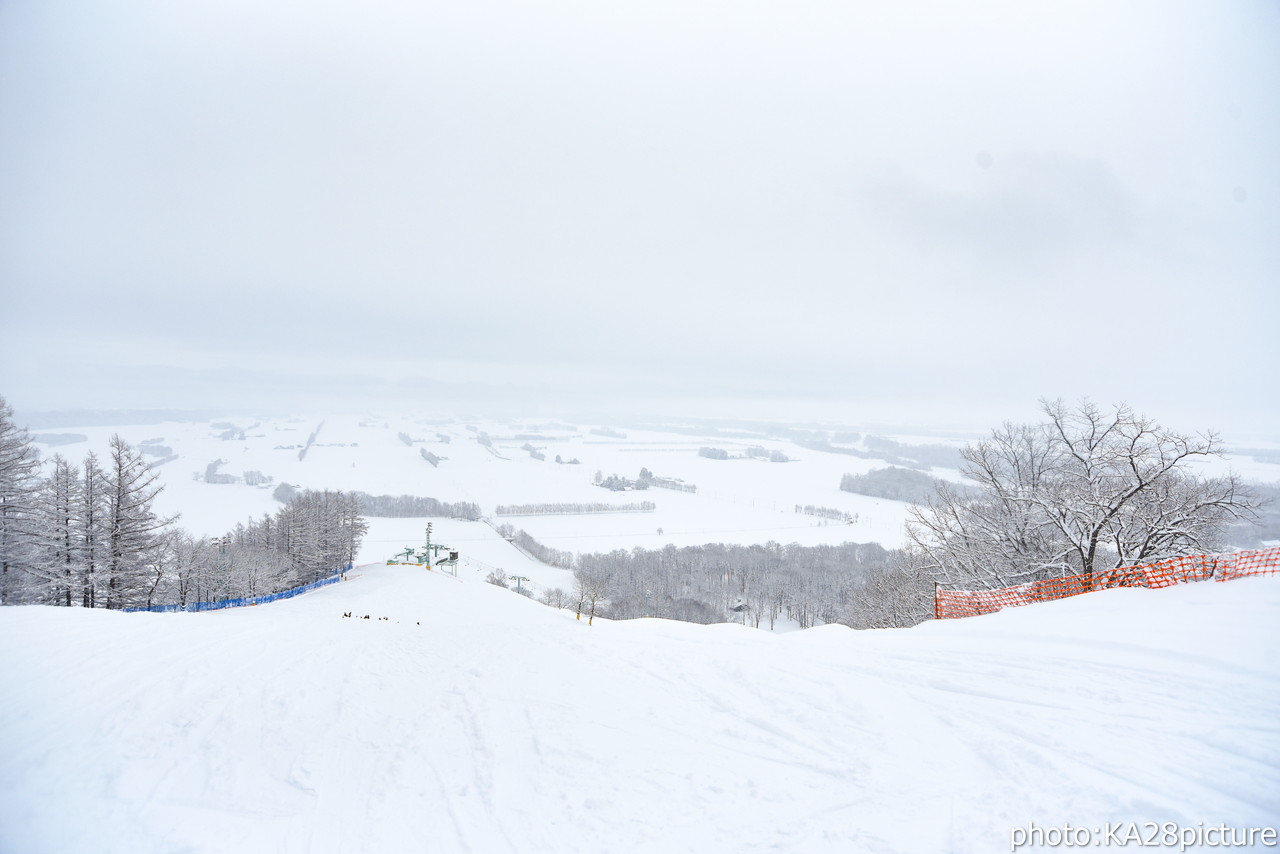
{"x":1086,"y":491}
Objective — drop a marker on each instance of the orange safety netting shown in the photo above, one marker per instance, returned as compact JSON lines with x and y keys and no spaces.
{"x":1165,"y":573}
{"x":1258,"y":562}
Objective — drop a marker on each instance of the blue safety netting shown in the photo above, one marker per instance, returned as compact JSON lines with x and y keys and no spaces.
{"x":247,"y":600}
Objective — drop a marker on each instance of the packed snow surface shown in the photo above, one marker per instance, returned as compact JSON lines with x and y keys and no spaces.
{"x":460,"y":717}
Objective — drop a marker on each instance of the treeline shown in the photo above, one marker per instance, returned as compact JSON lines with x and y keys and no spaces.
{"x":212,"y":475}
{"x":618,"y":483}
{"x":672,"y":483}
{"x":646,"y":479}
{"x":535,"y":549}
{"x":861,"y":585}
{"x":755,"y":452}
{"x":396,"y":506}
{"x":886,"y":450}
{"x":88,"y":535}
{"x":756,"y":585}
{"x":311,"y":440}
{"x":825,"y":513}
{"x":318,"y":532}
{"x":893,"y":483}
{"x":571,"y":509}
{"x":313,"y":536}
{"x":899,"y":453}
{"x":155,"y":448}
{"x":412,"y":506}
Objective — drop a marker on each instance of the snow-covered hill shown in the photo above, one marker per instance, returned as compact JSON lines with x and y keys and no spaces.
{"x":461,"y":717}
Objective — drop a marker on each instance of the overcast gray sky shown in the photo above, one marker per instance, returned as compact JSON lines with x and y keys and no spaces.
{"x":896,"y":208}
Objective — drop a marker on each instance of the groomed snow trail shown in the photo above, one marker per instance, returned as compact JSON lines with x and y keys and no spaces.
{"x":474,"y":720}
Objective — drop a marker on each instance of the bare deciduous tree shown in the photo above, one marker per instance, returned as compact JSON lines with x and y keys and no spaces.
{"x":590,"y":588}
{"x":1087,"y":490}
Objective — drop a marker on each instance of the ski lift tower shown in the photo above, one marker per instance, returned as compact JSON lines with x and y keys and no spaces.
{"x":423,"y":557}
{"x":431,"y":550}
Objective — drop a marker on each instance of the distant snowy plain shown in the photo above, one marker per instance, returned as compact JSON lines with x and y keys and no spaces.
{"x":738,"y":500}
{"x":741,"y":501}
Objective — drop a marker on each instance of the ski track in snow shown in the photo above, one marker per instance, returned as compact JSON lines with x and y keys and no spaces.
{"x":474,"y":720}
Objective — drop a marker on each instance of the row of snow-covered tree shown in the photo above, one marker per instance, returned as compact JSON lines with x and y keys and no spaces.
{"x":413,"y":506}
{"x":83,"y":534}
{"x":825,"y":512}
{"x":523,"y":541}
{"x":852,"y":583}
{"x":896,"y":484}
{"x":316,"y":534}
{"x":756,"y":584}
{"x":88,"y":534}
{"x":571,"y":509}
{"x":311,"y":440}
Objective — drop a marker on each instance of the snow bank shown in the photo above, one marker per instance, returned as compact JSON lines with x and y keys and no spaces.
{"x":471,"y":719}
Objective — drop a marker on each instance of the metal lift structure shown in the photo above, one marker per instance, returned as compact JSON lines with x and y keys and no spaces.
{"x":428,"y":555}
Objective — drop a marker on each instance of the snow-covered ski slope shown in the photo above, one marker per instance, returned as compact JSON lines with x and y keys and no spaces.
{"x":474,"y":720}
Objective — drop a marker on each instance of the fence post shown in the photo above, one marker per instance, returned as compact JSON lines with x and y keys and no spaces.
{"x":935,"y":601}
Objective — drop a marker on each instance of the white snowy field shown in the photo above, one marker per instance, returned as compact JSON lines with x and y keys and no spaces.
{"x":474,"y":720}
{"x":738,"y":500}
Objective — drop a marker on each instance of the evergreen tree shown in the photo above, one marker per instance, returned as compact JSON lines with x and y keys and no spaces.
{"x":19,"y":482}
{"x":59,"y":538}
{"x":92,"y":516}
{"x":91,"y":536}
{"x":134,"y":533}
{"x":321,"y":532}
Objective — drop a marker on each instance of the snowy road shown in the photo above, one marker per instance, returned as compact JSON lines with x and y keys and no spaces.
{"x":473,"y":720}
